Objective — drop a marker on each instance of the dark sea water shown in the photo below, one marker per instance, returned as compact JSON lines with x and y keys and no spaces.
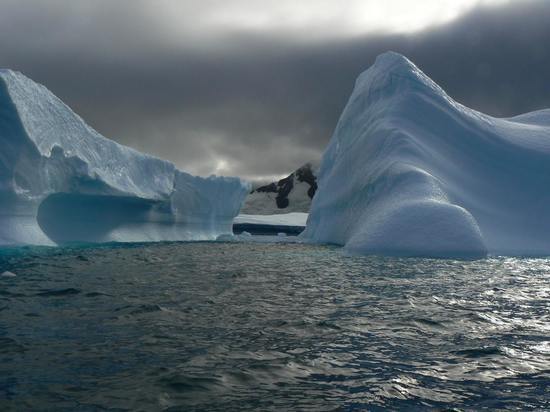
{"x":269,"y":327}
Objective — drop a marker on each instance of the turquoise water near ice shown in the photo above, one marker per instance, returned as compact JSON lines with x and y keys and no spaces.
{"x":212,"y":326}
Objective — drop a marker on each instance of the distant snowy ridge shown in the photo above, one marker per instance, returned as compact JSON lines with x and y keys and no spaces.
{"x":61,"y":181}
{"x":288,"y":195}
{"x":411,"y":172}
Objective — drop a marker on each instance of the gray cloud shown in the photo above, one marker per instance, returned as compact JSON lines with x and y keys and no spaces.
{"x":255,"y":105}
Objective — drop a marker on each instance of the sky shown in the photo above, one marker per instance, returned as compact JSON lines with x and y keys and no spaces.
{"x":255,"y":88}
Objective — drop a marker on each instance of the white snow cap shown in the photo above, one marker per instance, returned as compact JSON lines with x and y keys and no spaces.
{"x":411,"y":172}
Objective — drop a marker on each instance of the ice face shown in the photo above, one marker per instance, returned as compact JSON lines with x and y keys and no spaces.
{"x":61,"y":181}
{"x":410,"y":172}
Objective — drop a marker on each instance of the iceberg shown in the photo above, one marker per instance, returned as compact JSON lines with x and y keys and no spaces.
{"x":61,"y":181}
{"x":411,"y":172}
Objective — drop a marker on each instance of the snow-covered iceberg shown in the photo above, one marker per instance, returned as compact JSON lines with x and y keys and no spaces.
{"x":61,"y":181}
{"x":411,"y":172}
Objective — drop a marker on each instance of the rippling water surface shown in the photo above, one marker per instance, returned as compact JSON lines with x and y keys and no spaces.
{"x":248,"y":326}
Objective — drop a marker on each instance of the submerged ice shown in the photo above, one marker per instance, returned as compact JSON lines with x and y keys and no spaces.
{"x":411,"y":172}
{"x":61,"y":181}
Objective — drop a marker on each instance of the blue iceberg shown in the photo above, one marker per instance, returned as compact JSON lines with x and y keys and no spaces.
{"x":411,"y":172}
{"x":61,"y":181}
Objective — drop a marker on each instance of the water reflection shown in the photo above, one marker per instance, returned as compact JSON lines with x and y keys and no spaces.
{"x":236,"y":326}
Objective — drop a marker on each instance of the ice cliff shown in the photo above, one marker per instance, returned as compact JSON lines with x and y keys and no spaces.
{"x":61,"y":181}
{"x":411,"y":172}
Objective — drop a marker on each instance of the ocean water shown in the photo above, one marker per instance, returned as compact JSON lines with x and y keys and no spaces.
{"x":271,"y":327}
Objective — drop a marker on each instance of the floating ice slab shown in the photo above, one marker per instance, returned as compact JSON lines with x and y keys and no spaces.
{"x":411,"y":172}
{"x":61,"y":181}
{"x":289,"y":223}
{"x":287,"y":219}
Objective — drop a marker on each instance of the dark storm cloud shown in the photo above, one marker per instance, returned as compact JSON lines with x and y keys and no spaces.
{"x":262,"y":104}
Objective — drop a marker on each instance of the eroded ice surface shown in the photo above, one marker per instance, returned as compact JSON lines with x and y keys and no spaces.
{"x":61,"y":181}
{"x":411,"y":172}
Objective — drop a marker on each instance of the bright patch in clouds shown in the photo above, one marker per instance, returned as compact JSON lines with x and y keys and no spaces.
{"x":325,"y":18}
{"x":221,"y":167}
